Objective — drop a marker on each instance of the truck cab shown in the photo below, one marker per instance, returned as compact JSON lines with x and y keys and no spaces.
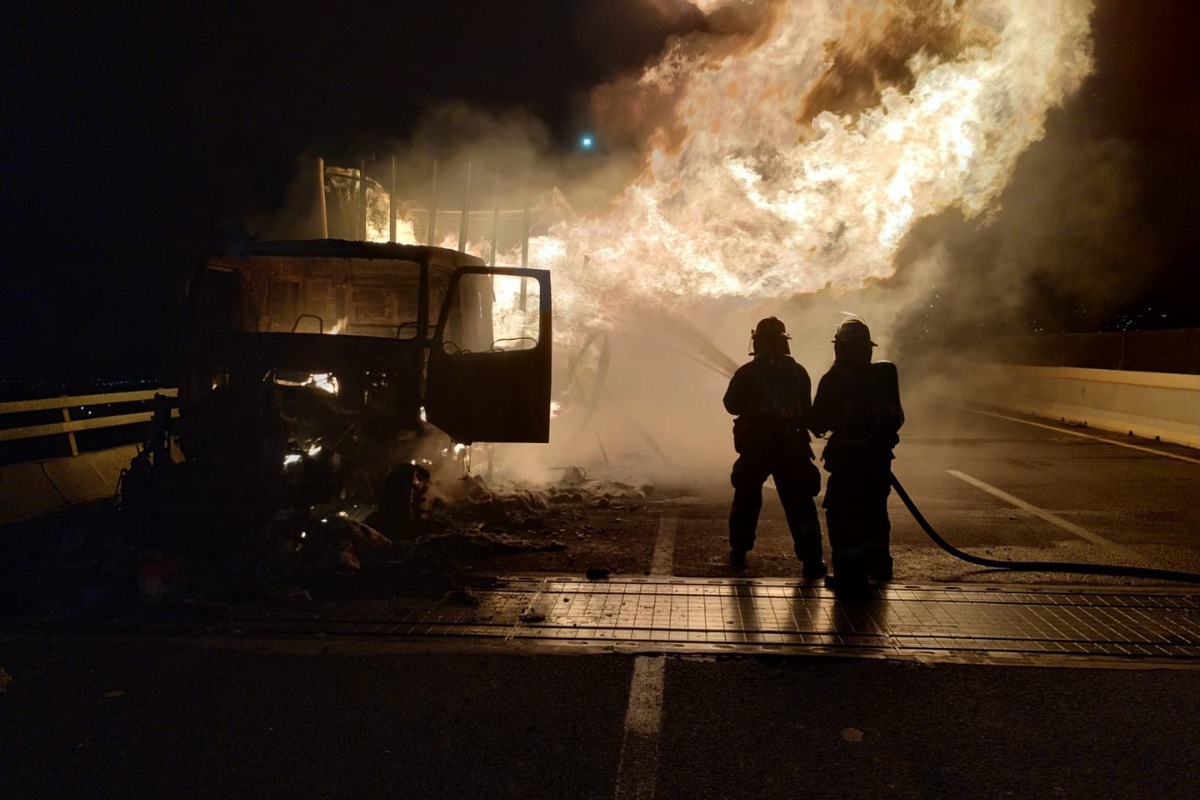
{"x":352,"y":355}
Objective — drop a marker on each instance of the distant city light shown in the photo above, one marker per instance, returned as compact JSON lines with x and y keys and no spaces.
{"x":586,"y":142}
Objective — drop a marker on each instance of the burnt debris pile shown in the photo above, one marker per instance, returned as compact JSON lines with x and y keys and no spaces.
{"x":94,"y":559}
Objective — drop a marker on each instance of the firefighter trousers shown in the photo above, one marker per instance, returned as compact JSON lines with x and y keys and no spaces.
{"x":797,"y":480}
{"x":857,"y":517}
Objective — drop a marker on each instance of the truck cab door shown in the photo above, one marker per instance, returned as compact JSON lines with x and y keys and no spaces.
{"x":488,"y":378}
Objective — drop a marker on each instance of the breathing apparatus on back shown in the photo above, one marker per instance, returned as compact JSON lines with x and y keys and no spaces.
{"x":852,"y":345}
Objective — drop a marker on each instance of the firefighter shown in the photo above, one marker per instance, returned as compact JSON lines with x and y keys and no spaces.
{"x":771,"y":398}
{"x":858,"y":403}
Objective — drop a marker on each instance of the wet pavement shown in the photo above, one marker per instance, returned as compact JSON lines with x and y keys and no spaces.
{"x":994,"y":624}
{"x":933,"y":686}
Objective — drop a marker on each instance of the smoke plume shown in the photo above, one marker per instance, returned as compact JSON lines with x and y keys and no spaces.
{"x":799,"y":158}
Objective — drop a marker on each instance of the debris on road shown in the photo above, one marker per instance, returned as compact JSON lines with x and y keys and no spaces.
{"x":478,"y":543}
{"x":158,"y":576}
{"x":297,"y":539}
{"x":94,"y":559}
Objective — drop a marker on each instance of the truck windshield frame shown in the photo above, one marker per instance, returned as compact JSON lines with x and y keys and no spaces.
{"x":376,"y":298}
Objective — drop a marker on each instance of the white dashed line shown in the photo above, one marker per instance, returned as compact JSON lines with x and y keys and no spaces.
{"x":637,"y":771}
{"x":1053,"y":519}
{"x":663,"y":559}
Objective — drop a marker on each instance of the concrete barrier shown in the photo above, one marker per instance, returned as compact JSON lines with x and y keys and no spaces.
{"x":34,"y":488}
{"x":1149,"y":404}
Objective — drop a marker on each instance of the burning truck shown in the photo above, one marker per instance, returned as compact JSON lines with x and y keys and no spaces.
{"x":341,"y":374}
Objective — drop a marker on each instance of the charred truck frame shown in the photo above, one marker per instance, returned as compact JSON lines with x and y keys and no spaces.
{"x":339,"y":373}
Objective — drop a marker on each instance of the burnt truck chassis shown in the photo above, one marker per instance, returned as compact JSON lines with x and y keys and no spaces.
{"x":338,"y":375}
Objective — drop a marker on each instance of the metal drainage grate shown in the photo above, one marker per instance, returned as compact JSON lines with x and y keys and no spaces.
{"x":1067,"y":625}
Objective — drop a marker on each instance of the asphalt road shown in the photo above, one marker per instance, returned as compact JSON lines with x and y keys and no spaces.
{"x":1129,"y":498}
{"x":1133,"y":506}
{"x":279,"y":720}
{"x":94,"y":716}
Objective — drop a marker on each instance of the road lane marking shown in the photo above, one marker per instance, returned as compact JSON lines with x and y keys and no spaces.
{"x":1082,"y":435}
{"x":663,"y":559}
{"x":637,"y":769}
{"x":1053,"y":519}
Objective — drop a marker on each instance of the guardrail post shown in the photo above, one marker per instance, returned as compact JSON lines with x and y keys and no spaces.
{"x":66,"y":415}
{"x":68,"y":427}
{"x":160,"y":436}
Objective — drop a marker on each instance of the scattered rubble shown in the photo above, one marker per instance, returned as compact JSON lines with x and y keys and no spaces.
{"x":159,"y":576}
{"x":92,"y":558}
{"x":297,"y":539}
{"x":466,"y":545}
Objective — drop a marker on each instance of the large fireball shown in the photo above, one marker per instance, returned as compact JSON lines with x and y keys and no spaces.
{"x":798,"y":155}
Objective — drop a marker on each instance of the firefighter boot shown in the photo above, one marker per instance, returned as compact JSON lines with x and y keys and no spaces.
{"x":881,"y":567}
{"x":810,"y":554}
{"x":849,"y":576}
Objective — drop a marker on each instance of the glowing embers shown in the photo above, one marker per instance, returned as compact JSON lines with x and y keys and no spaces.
{"x":325,"y":381}
{"x":299,"y":453}
{"x":454,"y":453}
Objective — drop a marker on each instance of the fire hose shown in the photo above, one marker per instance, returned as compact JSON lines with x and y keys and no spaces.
{"x":1039,"y":566}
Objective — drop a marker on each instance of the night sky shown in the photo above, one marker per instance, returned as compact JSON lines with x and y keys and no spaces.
{"x":130,"y":135}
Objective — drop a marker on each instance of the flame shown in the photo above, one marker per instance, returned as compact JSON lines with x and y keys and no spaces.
{"x":324,"y":381}
{"x":800,"y":156}
{"x":755,"y":202}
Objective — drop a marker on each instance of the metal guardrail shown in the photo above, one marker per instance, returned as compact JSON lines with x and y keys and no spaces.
{"x":68,"y":426}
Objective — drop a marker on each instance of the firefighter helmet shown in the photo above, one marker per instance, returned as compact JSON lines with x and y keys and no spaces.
{"x":853,"y":331}
{"x":770,"y":328}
